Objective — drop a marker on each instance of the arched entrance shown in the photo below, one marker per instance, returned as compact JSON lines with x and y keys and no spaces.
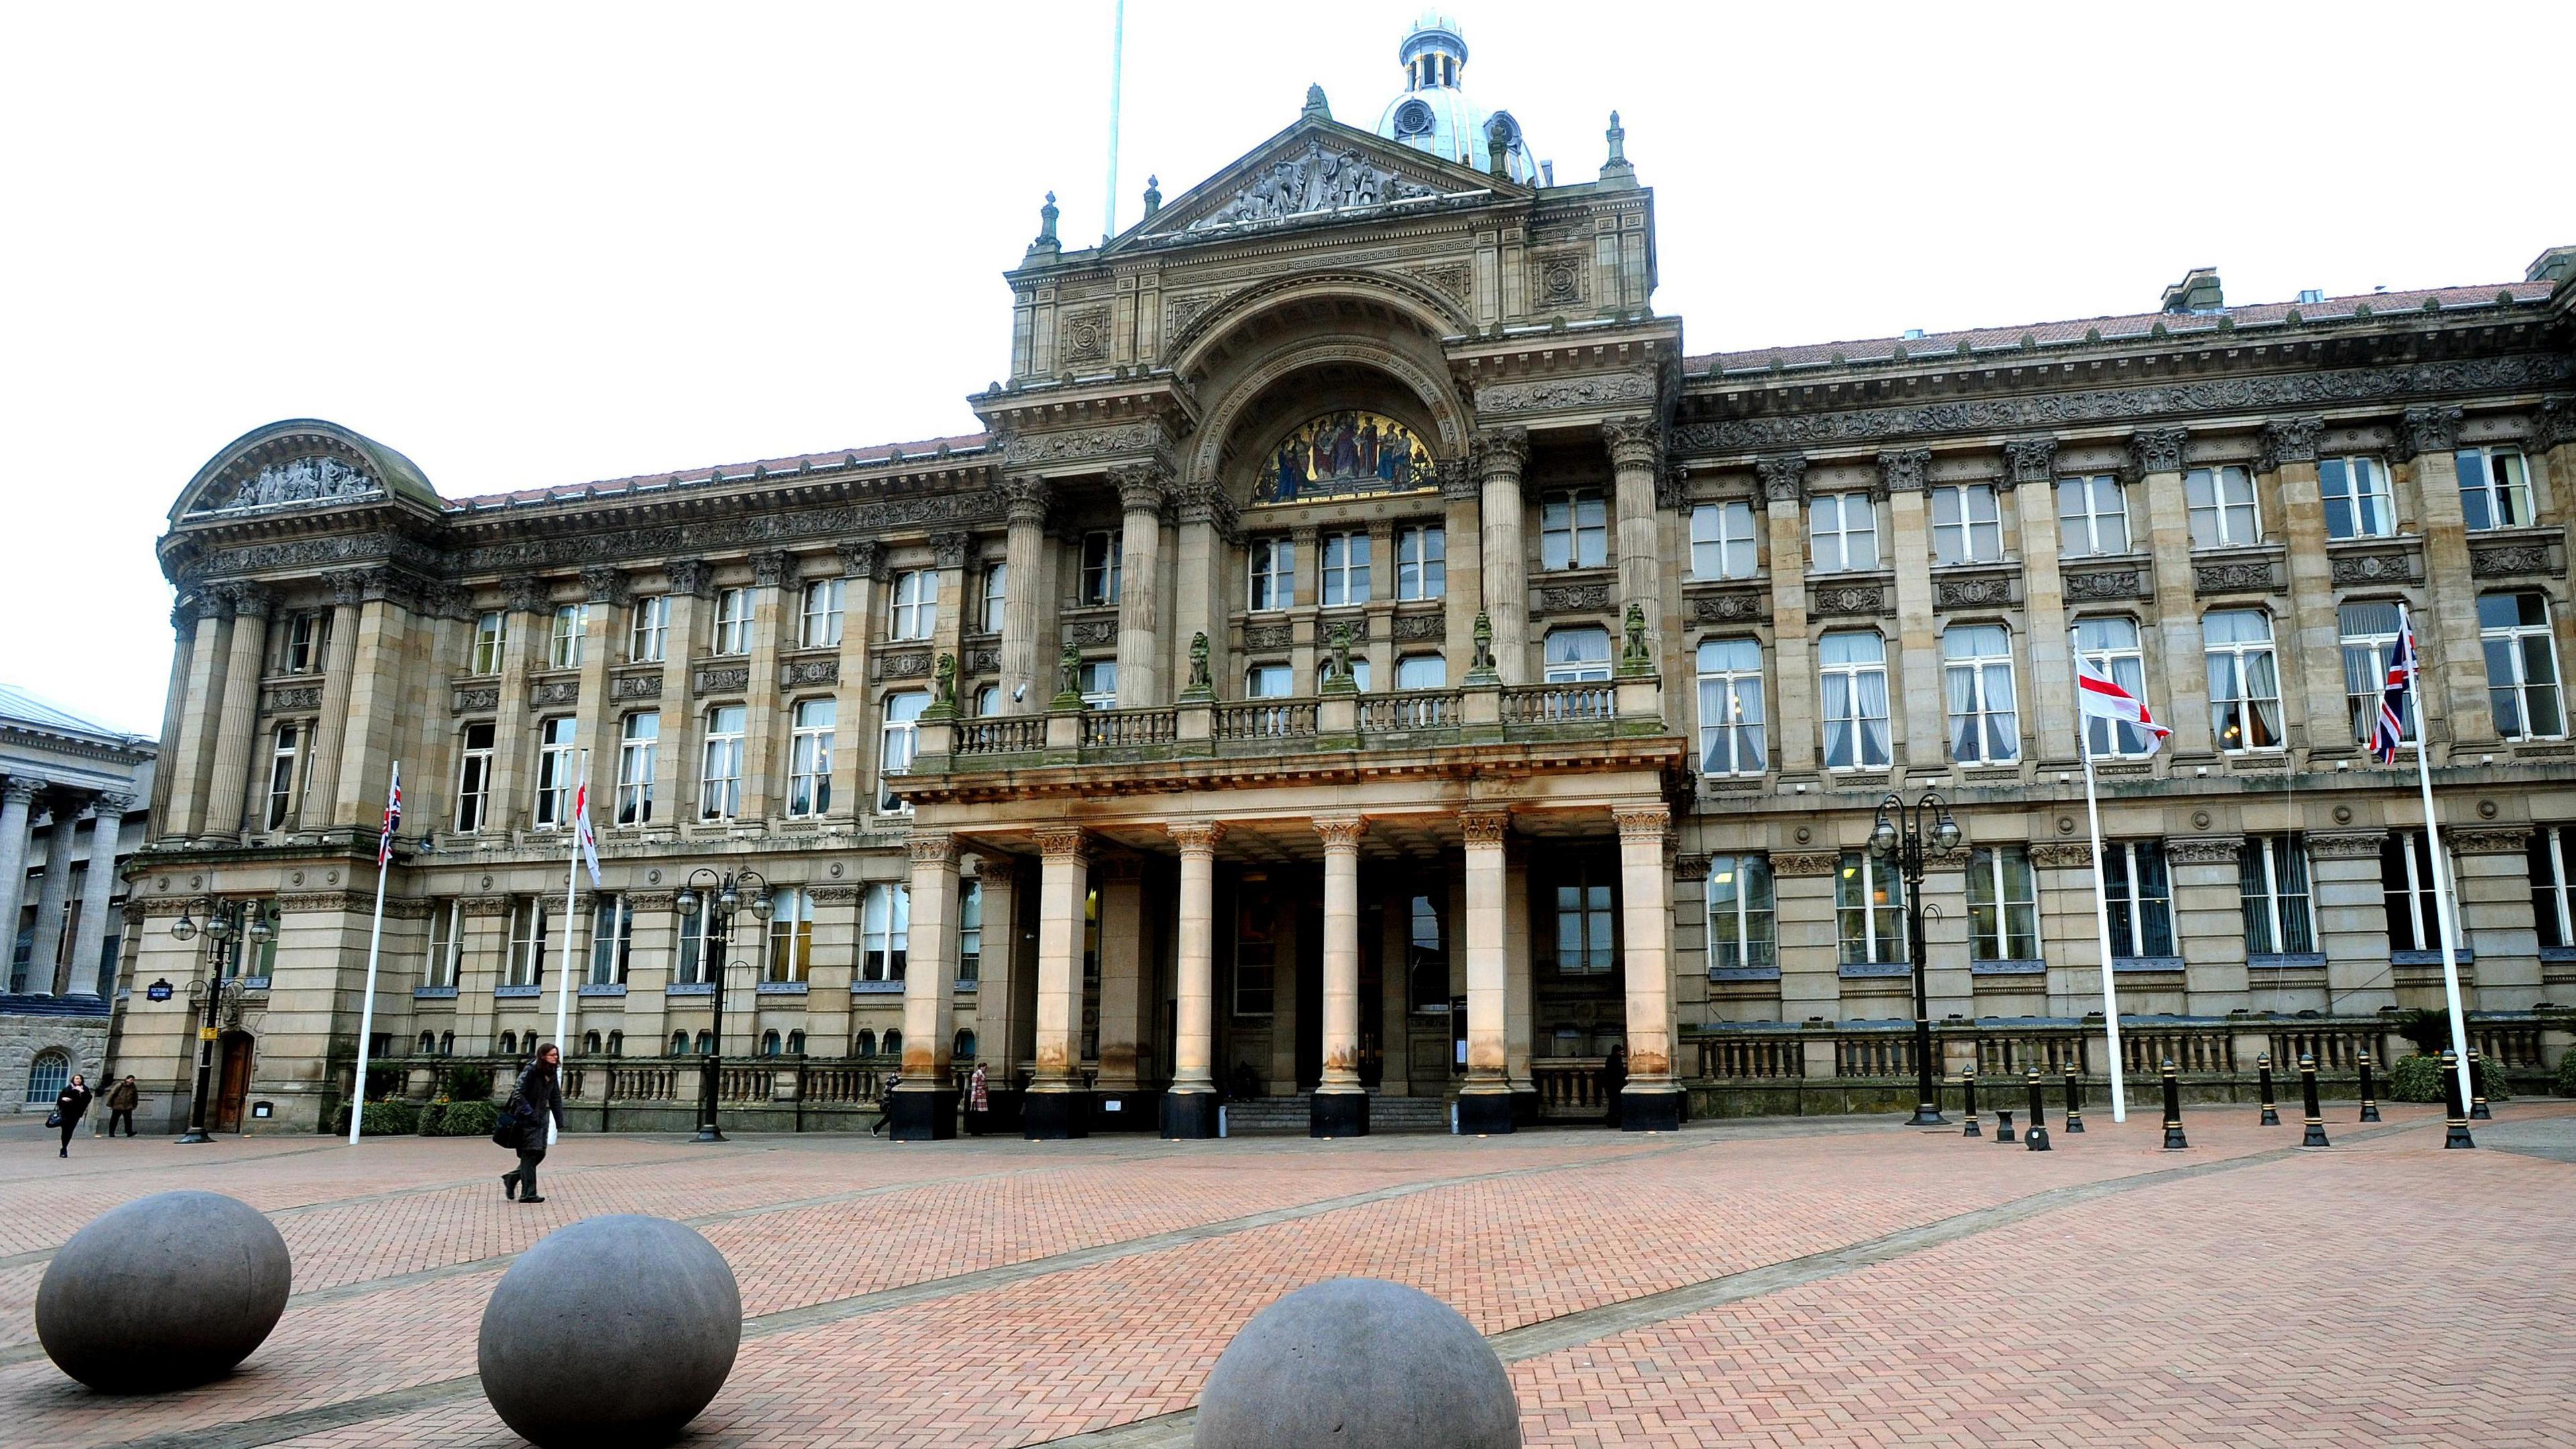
{"x":232,"y":1081}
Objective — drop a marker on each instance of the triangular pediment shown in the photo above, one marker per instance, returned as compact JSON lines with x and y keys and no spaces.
{"x":1316,"y":171}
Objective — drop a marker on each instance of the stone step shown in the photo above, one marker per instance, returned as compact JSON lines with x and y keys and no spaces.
{"x":1292,"y":1116}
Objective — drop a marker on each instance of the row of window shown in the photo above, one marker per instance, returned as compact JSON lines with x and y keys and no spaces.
{"x":786,"y":946}
{"x":2238,"y":651}
{"x":511,"y":1043}
{"x":913,"y":615}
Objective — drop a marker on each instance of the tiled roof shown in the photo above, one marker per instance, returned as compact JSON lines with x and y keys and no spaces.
{"x":793,"y":463}
{"x":2135,"y":326}
{"x":33,"y":711}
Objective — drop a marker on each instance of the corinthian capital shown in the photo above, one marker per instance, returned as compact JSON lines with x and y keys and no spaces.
{"x":1501,"y":453}
{"x":2156,"y":450}
{"x":2288,"y":440}
{"x":1904,"y":470}
{"x":249,"y":601}
{"x":1784,"y":478}
{"x":2427,"y":430}
{"x":1636,"y":442}
{"x":1024,"y":498}
{"x":1197,"y":837}
{"x":1341,"y":832}
{"x":1142,"y":487}
{"x":2029,"y":460}
{"x":1457,"y":479}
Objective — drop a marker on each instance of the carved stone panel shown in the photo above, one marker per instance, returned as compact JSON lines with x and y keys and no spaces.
{"x":723,"y":679}
{"x":1975,"y":591}
{"x":1737,"y":606}
{"x":1573,"y":598}
{"x":2105,"y":585}
{"x":1552,"y":394}
{"x":1093,"y":632}
{"x":2505,"y":560}
{"x":635,"y":686}
{"x":797,"y":673}
{"x":1849,"y":600}
{"x":2385,"y":566}
{"x":1420,"y":626}
{"x":292,"y":697}
{"x":2237,"y":576}
{"x":903,"y":664}
{"x":984,"y":660}
{"x":555,"y":691}
{"x":1268,"y":636}
{"x":474,"y":700}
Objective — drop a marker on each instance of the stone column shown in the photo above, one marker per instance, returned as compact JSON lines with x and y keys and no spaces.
{"x":2455,"y":670}
{"x":331,"y":729}
{"x":925,"y":1104}
{"x":1652,"y":1101}
{"x":1636,"y":453}
{"x":1024,"y":687}
{"x":386,"y":671}
{"x":2311,"y":638}
{"x":2030,"y":478}
{"x":1057,"y":1104}
{"x":1190,"y":1107}
{"x":606,"y":597}
{"x":2155,"y":468}
{"x":232,"y":742}
{"x":2494,"y":894}
{"x":17,"y":802}
{"x":1464,"y":590}
{"x":2209,"y":922}
{"x":774,"y":583}
{"x":854,"y":740}
{"x":174,"y":699}
{"x":675,"y":759}
{"x":1500,"y":455}
{"x":1485,"y":1101}
{"x":1123,"y":973}
{"x":1519,"y":982}
{"x":2349,"y":913}
{"x":1210,"y":526}
{"x":1141,"y":491}
{"x":998,"y":991}
{"x":1340,"y":1104}
{"x":53,"y":888}
{"x":1920,"y":710}
{"x":1793,"y":671}
{"x":188,"y":754}
{"x":513,"y":782}
{"x":98,"y":884}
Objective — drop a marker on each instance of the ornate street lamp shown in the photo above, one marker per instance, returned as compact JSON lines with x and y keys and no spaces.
{"x":1906,"y":836}
{"x":723,"y":895}
{"x":225,"y":922}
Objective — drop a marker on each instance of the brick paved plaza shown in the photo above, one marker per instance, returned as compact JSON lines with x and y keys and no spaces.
{"x":1811,"y":1283}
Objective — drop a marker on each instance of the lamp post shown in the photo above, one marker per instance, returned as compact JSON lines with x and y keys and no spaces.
{"x":722,"y":896}
{"x":226,"y":921}
{"x":1905,"y":837}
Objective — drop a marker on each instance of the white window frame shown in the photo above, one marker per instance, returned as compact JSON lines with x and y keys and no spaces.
{"x":1881,"y":938}
{"x":2225,"y":510}
{"x":811,"y":726}
{"x":2084,"y":529}
{"x":1410,"y":667}
{"x":1097,"y":682}
{"x":2128,"y":891}
{"x":1422,"y":561}
{"x":1723,"y":540}
{"x":1994,"y":728}
{"x":1742,"y":931}
{"x":820,"y":618}
{"x":443,"y":950}
{"x":529,"y":925}
{"x":690,"y":965}
{"x":996,"y":595}
{"x":1101,"y":564}
{"x":1343,"y":565}
{"x":2126,"y":664}
{"x":720,"y":761}
{"x":1840,"y":526}
{"x":2365,"y":670}
{"x":491,"y":641}
{"x":970,"y":929}
{"x":1259,"y":679}
{"x":885,"y":931}
{"x":648,"y":632}
{"x":1734,"y":735}
{"x":915,"y":614}
{"x":1574,"y":670}
{"x":1594,"y":910}
{"x":2521,"y":644}
{"x":1573,"y":529}
{"x":898,"y":737}
{"x":612,"y":939}
{"x":788,"y":954}
{"x":2237,"y":658}
{"x":1973,"y":530}
{"x":305,"y":639}
{"x":733,"y":622}
{"x":1270,"y":574}
{"x":2553,"y":884}
{"x":2421,"y":888}
{"x":1872,"y":736}
{"x":285,"y":773}
{"x":638,"y":749}
{"x":474,"y":775}
{"x":2265,"y":858}
{"x":558,"y":738}
{"x":2503,"y":501}
{"x":1992,"y":874}
{"x":2358,"y":483}
{"x":564,"y":639}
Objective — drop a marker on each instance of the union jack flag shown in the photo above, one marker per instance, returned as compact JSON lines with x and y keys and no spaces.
{"x":2391,"y":729}
{"x":393,"y":819}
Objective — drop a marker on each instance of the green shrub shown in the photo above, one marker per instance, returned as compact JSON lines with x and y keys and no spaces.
{"x":468,"y":1119}
{"x":395,"y":1118}
{"x":2419,"y":1079}
{"x":431,"y":1115}
{"x":2567,"y":1074}
{"x":470,"y":1084}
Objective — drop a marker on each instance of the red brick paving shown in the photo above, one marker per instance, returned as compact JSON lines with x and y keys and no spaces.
{"x":2308,"y":1300}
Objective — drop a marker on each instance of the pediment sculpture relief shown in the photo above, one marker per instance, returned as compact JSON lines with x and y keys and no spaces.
{"x":1319,"y":180}
{"x":305,"y":480}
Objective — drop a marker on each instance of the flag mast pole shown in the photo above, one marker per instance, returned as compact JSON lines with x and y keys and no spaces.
{"x":572,"y":880}
{"x":2101,"y":895}
{"x":367,"y":1004}
{"x":2445,"y":910}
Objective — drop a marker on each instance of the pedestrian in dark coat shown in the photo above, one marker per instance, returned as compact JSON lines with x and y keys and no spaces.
{"x":1614,"y":1077}
{"x":69,"y":1107}
{"x":536,"y":1101}
{"x":121,"y":1101}
{"x":885,"y":1103}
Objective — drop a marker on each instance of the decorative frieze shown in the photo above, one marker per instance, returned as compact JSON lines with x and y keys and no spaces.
{"x":2204,"y":849}
{"x":984,"y":659}
{"x":2400,"y":565}
{"x":2062,"y":854}
{"x":1092,"y":633}
{"x":2506,"y":560}
{"x":474,"y":700}
{"x":1794,"y":863}
{"x":2234,"y":576}
{"x":1850,"y":600}
{"x":2347,"y":844}
{"x":1084,"y":445}
{"x":291,"y":697}
{"x":1268,"y":636}
{"x":1975,"y":591}
{"x":1560,"y":393}
{"x":635,"y":686}
{"x":1737,"y":606}
{"x":722,"y":679}
{"x":2489,"y":839}
{"x":903,"y":664}
{"x":1408,"y":627}
{"x":1573,"y":598}
{"x":805,"y":673}
{"x":2097,"y":586}
{"x":555,"y":691}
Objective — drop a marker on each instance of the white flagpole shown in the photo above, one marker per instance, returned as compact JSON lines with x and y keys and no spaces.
{"x":2445,"y":911}
{"x":1117,"y":67}
{"x":572,"y":882}
{"x":367,"y":1005}
{"x":2101,"y":895}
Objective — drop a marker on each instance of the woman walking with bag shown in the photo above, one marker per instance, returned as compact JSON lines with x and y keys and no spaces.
{"x":69,"y":1107}
{"x":535,"y":1105}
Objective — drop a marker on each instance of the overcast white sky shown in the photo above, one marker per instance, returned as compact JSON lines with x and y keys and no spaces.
{"x":544,"y":244}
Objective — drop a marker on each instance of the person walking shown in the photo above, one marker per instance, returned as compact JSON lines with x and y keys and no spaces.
{"x":69,"y":1106}
{"x":1614,"y":1077}
{"x":535,"y":1104}
{"x":121,"y":1100}
{"x":885,"y":1103}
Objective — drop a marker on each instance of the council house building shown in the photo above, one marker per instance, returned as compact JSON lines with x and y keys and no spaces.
{"x":1367,"y":670}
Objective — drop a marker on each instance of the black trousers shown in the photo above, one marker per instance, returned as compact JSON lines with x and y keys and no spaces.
{"x":120,"y":1114}
{"x":70,"y":1125}
{"x":527,"y":1173}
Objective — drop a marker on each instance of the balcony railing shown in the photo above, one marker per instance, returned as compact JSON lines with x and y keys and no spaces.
{"x":1560,"y":703}
{"x":1011,"y":735}
{"x":1119,"y":727}
{"x":1266,"y":719}
{"x":1414,"y":710}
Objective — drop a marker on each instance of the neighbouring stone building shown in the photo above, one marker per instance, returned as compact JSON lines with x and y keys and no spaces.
{"x":70,"y":787}
{"x":1366,"y":654}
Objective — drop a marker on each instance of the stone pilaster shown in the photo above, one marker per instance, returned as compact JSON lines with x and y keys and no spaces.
{"x":2349,"y":913}
{"x":675,"y":763}
{"x":774,"y":601}
{"x":2312,"y":641}
{"x":1920,"y":708}
{"x":188,"y":755}
{"x":1636,"y":459}
{"x":2155,"y":469}
{"x":391,"y":677}
{"x":98,"y":886}
{"x":1802,"y":892}
{"x":1024,"y":689}
{"x":1209,"y":527}
{"x":2029,"y":480}
{"x":1793,"y":673}
{"x":1142,"y":490}
{"x":2455,"y":675}
{"x":854,"y":743}
{"x":1500,"y":455}
{"x":230,"y":776}
{"x":53,"y":889}
{"x":513,"y":742}
{"x":1000,"y":1021}
{"x":320,"y":807}
{"x":1462,"y":535}
{"x":1485,"y":1101}
{"x":2209,"y":921}
{"x":18,"y":795}
{"x":2494,"y":893}
{"x":1651,"y":1101}
{"x":607,"y":598}
{"x":174,"y":701}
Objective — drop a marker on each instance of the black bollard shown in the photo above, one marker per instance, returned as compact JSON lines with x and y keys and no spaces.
{"x":2458,"y":1123}
{"x":2003,"y":1128}
{"x":2369,"y":1092}
{"x":2036,"y":1138}
{"x":2173,"y":1109}
{"x":2263,"y":1073}
{"x":2477,"y":1091}
{"x":2074,"y":1100}
{"x":1968,"y":1103}
{"x":2316,"y":1136}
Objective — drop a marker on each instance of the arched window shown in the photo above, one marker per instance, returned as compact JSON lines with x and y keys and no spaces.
{"x":679,"y":1043}
{"x":796,"y":1043}
{"x":46,"y":1076}
{"x":617,"y":1043}
{"x":769,"y":1043}
{"x":894,"y":1043}
{"x":428,"y":1044}
{"x":964,"y":1048}
{"x":509,"y":1043}
{"x":864,"y":1044}
{"x":590,"y":1043}
{"x":447,"y":1043}
{"x":706,"y":1042}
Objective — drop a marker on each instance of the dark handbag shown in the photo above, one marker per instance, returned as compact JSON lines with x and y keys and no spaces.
{"x":53,"y":1119}
{"x":512,"y":1130}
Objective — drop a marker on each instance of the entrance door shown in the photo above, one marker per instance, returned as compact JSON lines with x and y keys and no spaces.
{"x":233,"y":1094}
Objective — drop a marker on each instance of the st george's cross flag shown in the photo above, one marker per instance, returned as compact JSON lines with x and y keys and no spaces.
{"x":2391,"y":729}
{"x":588,"y":838}
{"x":2103,"y":698}
{"x":393,"y":818}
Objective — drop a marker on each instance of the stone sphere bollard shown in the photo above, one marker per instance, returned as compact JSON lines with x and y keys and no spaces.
{"x":615,"y":1331}
{"x":165,"y":1292}
{"x":1358,"y":1361}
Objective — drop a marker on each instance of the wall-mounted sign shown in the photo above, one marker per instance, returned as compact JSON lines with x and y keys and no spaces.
{"x":263,"y":1109}
{"x":1342,"y":454}
{"x":157,"y":991}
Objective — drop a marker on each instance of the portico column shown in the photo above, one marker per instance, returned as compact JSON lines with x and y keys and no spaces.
{"x":1023,"y":592}
{"x":331,"y":730}
{"x":1485,"y":1101}
{"x":98,"y":883}
{"x":1209,"y":525}
{"x":55,"y":888}
{"x":1057,"y":1105}
{"x":1189,"y":1108}
{"x":1651,"y":1102}
{"x":1500,"y":454}
{"x":187,"y":751}
{"x":925,"y":1102}
{"x":231,"y":777}
{"x":1141,"y":490}
{"x":1340,"y":1104}
{"x":17,"y":799}
{"x":1462,"y":591}
{"x":1636,"y":450}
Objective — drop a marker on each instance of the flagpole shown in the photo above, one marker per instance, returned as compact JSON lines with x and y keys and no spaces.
{"x":2101,"y":895}
{"x":572,"y":881}
{"x":367,"y":1005}
{"x":2445,"y":911}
